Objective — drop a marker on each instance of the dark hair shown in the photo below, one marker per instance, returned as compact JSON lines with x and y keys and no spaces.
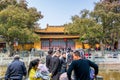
{"x":77,"y":53}
{"x":50,"y":51}
{"x":32,"y":64}
{"x":63,"y":53}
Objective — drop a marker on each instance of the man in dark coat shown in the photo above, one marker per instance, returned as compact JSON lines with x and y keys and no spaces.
{"x":56,"y":66}
{"x":48,"y":60}
{"x":63,"y":63}
{"x":16,"y":70}
{"x":81,"y":67}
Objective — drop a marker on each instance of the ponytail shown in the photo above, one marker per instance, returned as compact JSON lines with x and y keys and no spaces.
{"x":30,"y":67}
{"x":32,"y":64}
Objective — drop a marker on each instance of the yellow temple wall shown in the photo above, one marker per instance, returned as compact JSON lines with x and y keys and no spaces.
{"x":97,"y":45}
{"x":78,"y":45}
{"x":37,"y":45}
{"x":87,"y":46}
{"x":25,"y":47}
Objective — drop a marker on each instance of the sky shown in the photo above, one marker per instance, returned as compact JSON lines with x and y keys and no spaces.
{"x":59,"y":12}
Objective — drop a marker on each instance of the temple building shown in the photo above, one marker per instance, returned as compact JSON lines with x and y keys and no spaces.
{"x":54,"y":37}
{"x":51,"y":37}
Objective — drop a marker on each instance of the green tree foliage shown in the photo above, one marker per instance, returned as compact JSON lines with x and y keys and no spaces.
{"x":84,"y":26}
{"x":107,"y":13}
{"x":100,"y":25}
{"x":17,"y":21}
{"x":19,"y":3}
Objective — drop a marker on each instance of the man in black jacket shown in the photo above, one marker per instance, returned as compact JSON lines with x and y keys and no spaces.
{"x":56,"y":66}
{"x":63,"y":63}
{"x":48,"y":60}
{"x":16,"y":70}
{"x":81,"y":67}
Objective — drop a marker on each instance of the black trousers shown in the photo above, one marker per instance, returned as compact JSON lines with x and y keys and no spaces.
{"x":56,"y":76}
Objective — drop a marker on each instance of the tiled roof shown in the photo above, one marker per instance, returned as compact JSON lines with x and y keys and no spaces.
{"x":52,"y":29}
{"x":58,"y":36}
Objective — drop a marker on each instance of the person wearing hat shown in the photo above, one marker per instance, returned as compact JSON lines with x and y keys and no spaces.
{"x":16,"y":70}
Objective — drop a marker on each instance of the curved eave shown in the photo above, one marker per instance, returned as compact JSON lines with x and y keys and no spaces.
{"x":58,"y":36}
{"x":49,"y":32}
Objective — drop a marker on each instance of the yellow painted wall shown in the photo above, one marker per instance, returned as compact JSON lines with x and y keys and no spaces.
{"x":28,"y":46}
{"x":37,"y":45}
{"x":97,"y":45}
{"x":18,"y":47}
{"x":87,"y":46}
{"x":78,"y":45}
{"x":25,"y":47}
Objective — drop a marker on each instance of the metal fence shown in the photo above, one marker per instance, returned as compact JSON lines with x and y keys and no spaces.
{"x":7,"y":60}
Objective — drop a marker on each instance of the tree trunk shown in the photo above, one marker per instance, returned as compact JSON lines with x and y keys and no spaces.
{"x":112,"y":46}
{"x":102,"y":47}
{"x":9,"y":48}
{"x":83,"y":45}
{"x":23,"y":47}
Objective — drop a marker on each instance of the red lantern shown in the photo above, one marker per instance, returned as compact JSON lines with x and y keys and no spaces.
{"x":50,"y":40}
{"x":65,"y":39}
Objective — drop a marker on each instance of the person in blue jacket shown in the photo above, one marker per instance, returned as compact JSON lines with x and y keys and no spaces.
{"x":16,"y":70}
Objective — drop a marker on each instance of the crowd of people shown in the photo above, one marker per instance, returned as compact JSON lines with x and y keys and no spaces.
{"x":60,"y":65}
{"x":70,"y":65}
